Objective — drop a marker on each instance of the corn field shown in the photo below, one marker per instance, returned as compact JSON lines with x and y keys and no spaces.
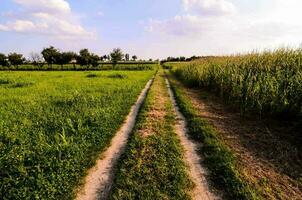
{"x":266,"y":83}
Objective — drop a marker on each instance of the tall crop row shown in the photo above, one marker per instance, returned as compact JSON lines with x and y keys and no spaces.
{"x":266,"y":83}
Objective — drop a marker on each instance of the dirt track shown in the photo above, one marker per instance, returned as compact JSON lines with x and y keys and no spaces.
{"x":99,"y":179}
{"x":196,"y":170}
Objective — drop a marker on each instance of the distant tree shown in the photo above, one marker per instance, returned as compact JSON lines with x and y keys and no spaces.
{"x":127,"y":57}
{"x":65,"y":58}
{"x":134,"y":57}
{"x":194,"y":58}
{"x":84,"y":57}
{"x":116,"y":55}
{"x":50,"y":55}
{"x":61,"y":59}
{"x":70,"y":57}
{"x":36,"y":59}
{"x":3,"y":60}
{"x":182,"y":58}
{"x":94,"y":60}
{"x":104,"y":58}
{"x":16,"y":59}
{"x":150,"y":60}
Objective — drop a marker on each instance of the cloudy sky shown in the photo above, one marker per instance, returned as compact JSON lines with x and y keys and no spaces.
{"x":150,"y":28}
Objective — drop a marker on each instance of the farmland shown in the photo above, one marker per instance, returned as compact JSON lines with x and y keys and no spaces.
{"x":62,"y":129}
{"x":54,"y":124}
{"x":150,"y":100}
{"x":264,"y":83}
{"x":246,"y":111}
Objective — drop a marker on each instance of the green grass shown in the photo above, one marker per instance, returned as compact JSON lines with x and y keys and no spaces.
{"x":220,"y":161}
{"x":54,"y":124}
{"x":267,"y":83}
{"x":152,"y":166}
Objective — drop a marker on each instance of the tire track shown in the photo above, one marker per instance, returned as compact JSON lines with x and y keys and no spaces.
{"x":197,"y":172}
{"x":99,"y":179}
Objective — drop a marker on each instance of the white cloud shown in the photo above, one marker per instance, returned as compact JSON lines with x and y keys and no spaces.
{"x":49,"y":6}
{"x":20,"y":26}
{"x":202,"y":16}
{"x":216,"y":33}
{"x":3,"y":28}
{"x":60,"y":27}
{"x":184,"y":25}
{"x":209,"y":7}
{"x":49,"y":18}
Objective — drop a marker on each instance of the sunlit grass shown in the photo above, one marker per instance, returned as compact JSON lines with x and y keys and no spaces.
{"x":54,"y":124}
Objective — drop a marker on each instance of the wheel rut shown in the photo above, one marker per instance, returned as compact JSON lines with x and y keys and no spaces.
{"x":197,"y":172}
{"x":99,"y":179}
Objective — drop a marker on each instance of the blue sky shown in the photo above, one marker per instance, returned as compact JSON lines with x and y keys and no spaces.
{"x":150,"y":28}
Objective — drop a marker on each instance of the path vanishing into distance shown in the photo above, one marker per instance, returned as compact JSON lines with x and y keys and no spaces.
{"x":160,"y":125}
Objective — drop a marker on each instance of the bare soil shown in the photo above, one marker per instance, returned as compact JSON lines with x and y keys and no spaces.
{"x":267,"y":160}
{"x":99,"y":178}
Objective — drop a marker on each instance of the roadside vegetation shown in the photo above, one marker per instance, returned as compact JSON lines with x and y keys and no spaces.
{"x":53,"y":125}
{"x":152,"y":166}
{"x":220,"y":161}
{"x":246,"y":110}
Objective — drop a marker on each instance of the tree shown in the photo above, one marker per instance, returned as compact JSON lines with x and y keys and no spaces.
{"x":104,"y":58}
{"x":84,"y":57}
{"x":182,"y":58}
{"x":50,"y":55}
{"x":127,"y":57}
{"x":3,"y":60}
{"x":16,"y":59}
{"x":70,"y":57}
{"x":94,"y":60}
{"x":134,"y":57}
{"x":65,"y":58}
{"x":36,"y":59}
{"x":61,"y":59}
{"x":116,"y":55}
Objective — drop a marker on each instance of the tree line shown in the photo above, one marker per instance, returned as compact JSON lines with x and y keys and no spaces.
{"x":181,"y":59}
{"x":52,"y":55}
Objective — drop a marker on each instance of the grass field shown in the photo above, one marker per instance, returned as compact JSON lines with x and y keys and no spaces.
{"x":54,"y":124}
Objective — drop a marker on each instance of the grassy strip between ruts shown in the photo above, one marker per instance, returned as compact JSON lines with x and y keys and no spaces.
{"x":152,"y":166}
{"x":220,"y":161}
